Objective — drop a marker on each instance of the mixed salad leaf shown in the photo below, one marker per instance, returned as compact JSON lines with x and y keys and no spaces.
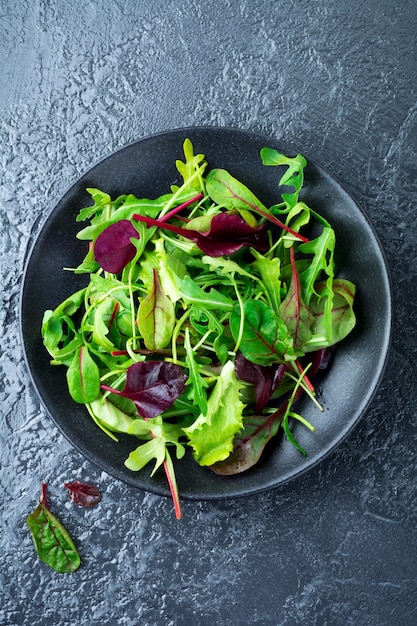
{"x":205,"y":317}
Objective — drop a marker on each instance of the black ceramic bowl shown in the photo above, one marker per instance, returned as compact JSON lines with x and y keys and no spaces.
{"x":146,"y":168}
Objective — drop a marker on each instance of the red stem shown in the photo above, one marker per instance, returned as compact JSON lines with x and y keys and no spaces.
{"x":306,"y":378}
{"x":189,"y":234}
{"x":174,"y":495}
{"x":114,"y":313}
{"x":179,"y":208}
{"x":44,"y":497}
{"x":278,"y":222}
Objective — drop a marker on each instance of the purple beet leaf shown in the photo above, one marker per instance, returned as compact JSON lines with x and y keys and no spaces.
{"x":152,"y":386}
{"x":265,"y":378}
{"x":83,"y":494}
{"x":113,"y":249}
{"x":228,"y":233}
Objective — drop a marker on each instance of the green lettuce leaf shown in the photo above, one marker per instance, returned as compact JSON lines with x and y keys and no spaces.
{"x":211,"y":435}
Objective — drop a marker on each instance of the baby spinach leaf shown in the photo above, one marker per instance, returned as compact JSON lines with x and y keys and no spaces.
{"x":103,"y":316}
{"x":264,"y":338}
{"x":53,"y":544}
{"x":83,"y":377}
{"x":342,"y":315}
{"x":108,"y":415}
{"x":156,"y":317}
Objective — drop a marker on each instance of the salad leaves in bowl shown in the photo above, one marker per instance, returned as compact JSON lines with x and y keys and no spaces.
{"x":202,"y":323}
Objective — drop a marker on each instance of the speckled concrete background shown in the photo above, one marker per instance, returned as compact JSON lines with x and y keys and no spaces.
{"x":337,"y":79}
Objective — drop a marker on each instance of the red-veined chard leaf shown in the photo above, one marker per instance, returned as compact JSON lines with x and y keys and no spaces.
{"x":229,"y":192}
{"x":83,"y":377}
{"x":156,"y":317}
{"x":264,"y":337}
{"x":152,"y":386}
{"x":83,"y":494}
{"x":293,"y":310}
{"x":113,"y":248}
{"x":52,"y":541}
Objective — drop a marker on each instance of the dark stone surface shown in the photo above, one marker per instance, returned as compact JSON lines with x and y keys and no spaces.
{"x":337,"y":80}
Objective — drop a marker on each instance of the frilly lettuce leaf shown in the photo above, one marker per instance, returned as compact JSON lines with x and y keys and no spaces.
{"x":211,"y":435}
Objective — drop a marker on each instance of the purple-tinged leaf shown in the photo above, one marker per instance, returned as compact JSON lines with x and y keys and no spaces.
{"x":293,"y":310}
{"x":156,"y":316}
{"x":228,"y":233}
{"x":265,"y":378}
{"x":152,"y":386}
{"x":83,"y":494}
{"x":113,"y":249}
{"x":249,"y":444}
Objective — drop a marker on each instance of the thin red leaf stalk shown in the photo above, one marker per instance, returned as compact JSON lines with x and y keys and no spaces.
{"x":180,"y":207}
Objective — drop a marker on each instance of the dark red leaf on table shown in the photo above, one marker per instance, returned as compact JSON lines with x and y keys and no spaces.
{"x":83,"y":494}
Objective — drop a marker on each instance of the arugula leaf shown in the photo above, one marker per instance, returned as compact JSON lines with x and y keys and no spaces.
{"x":269,"y":271}
{"x":192,"y":169}
{"x":293,"y":176}
{"x":211,"y":299}
{"x":322,"y":249}
{"x":157,"y":449}
{"x":195,"y":381}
